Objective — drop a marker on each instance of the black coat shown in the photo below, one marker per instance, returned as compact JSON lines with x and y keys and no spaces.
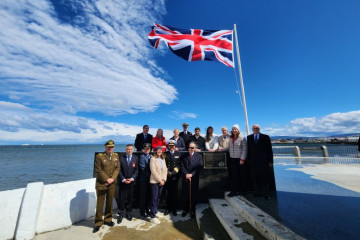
{"x":128,"y":171}
{"x":139,"y":141}
{"x":259,"y":153}
{"x":200,"y":142}
{"x":192,"y":165}
{"x":173,"y":163}
{"x":186,"y":138}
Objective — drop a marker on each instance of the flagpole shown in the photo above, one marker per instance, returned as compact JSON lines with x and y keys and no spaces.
{"x":241,"y":81}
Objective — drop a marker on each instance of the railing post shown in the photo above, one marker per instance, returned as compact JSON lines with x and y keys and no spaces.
{"x":297,"y":151}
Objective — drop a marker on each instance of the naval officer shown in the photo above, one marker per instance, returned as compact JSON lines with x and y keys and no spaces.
{"x":107,"y":168}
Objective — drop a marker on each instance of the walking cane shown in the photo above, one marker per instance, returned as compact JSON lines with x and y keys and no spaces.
{"x":190,"y":193}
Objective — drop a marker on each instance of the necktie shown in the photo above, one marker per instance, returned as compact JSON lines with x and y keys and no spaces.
{"x":145,"y":136}
{"x":128,"y":160}
{"x":256,"y":138}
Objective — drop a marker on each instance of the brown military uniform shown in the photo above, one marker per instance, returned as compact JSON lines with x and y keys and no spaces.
{"x":106,"y":166}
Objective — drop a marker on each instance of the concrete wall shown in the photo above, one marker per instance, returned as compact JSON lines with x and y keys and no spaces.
{"x":42,"y":208}
{"x":10,"y":202}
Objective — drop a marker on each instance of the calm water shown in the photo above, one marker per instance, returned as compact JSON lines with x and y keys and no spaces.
{"x":61,"y":163}
{"x":21,"y":165}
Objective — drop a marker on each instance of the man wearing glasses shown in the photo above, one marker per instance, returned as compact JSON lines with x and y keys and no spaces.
{"x":260,"y":158}
{"x":107,"y":168}
{"x":191,"y":167}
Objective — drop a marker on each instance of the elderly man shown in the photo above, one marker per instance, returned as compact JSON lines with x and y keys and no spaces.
{"x":260,"y":159}
{"x":191,"y":166}
{"x":142,"y":138}
{"x":224,"y":140}
{"x":107,"y":168}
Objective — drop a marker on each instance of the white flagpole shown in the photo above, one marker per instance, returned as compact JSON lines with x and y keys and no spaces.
{"x":241,"y":81}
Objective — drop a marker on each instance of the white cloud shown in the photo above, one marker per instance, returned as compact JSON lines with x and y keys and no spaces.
{"x":81,"y":56}
{"x":182,"y":115}
{"x":20,"y":124}
{"x":332,"y":124}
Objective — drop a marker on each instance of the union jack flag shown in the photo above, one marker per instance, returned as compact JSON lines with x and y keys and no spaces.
{"x":195,"y":44}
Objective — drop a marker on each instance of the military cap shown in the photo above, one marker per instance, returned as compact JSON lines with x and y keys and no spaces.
{"x":185,"y":124}
{"x":147,"y":145}
{"x":110,"y":143}
{"x":172,"y":142}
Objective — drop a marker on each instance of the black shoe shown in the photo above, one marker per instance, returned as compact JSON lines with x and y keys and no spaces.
{"x":128,"y":216}
{"x":119,"y":220}
{"x":184,"y":213}
{"x":232,"y":194}
{"x":110,"y":224}
{"x":96,"y":229}
{"x":174,"y":212}
{"x":166,"y":212}
{"x":192,"y":215}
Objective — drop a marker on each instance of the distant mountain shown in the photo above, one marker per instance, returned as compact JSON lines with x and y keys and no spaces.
{"x":304,"y":137}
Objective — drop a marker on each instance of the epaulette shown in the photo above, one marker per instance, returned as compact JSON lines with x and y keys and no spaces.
{"x":99,"y":154}
{"x":116,"y":154}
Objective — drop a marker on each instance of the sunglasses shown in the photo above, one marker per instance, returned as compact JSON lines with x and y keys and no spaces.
{"x":191,"y":147}
{"x":110,"y":147}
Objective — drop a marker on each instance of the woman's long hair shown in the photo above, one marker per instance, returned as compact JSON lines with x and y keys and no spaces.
{"x":156,"y":156}
{"x":208,"y":134}
{"x":157,"y":134}
{"x":233,"y":135}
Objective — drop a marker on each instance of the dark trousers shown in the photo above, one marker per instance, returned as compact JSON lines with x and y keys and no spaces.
{"x":156,"y":190}
{"x":101,"y":195}
{"x":186,"y":193}
{"x":238,"y":175}
{"x":171,"y":187}
{"x":126,"y":197}
{"x":260,"y":178}
{"x":145,"y":195}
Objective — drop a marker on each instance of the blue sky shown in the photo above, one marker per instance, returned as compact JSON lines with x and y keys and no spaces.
{"x":84,"y":72}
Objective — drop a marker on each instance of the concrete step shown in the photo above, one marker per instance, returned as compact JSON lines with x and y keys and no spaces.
{"x":236,"y":226}
{"x":261,"y":221}
{"x":209,"y":224}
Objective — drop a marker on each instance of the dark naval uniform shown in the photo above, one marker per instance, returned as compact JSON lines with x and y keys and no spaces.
{"x":171,"y":186}
{"x":144,"y":180}
{"x":193,"y":165}
{"x":106,"y":166}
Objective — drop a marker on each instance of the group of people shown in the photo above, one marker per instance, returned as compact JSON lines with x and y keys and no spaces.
{"x":162,"y":170}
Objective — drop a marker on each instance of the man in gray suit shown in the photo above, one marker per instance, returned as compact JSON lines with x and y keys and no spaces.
{"x":224,"y":140}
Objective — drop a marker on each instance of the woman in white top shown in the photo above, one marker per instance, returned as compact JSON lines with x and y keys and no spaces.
{"x":157,"y":180}
{"x":211,"y":141}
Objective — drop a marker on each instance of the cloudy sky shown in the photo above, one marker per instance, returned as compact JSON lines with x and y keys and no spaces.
{"x":83,"y":71}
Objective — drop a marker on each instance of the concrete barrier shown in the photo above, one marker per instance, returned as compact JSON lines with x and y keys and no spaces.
{"x":41,"y":208}
{"x":29,"y":211}
{"x":10,"y":202}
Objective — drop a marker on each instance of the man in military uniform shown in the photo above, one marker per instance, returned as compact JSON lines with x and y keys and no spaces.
{"x":172,"y":159}
{"x":144,"y":179}
{"x":107,"y":168}
{"x":186,"y":134}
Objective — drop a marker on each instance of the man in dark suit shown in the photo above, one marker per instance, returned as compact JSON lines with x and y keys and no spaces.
{"x":172,"y":159}
{"x":186,"y":134}
{"x":127,"y":176}
{"x":260,"y":160}
{"x":141,"y":138}
{"x":191,"y":166}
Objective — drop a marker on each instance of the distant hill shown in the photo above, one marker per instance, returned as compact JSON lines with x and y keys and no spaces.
{"x":304,"y":137}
